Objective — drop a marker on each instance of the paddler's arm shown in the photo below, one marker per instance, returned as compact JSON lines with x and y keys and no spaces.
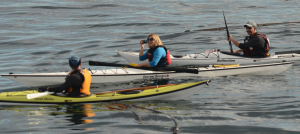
{"x":144,"y":65}
{"x":141,"y":55}
{"x":144,"y":57}
{"x":236,"y":43}
{"x":238,"y":51}
{"x":65,"y":86}
{"x":142,"y":47}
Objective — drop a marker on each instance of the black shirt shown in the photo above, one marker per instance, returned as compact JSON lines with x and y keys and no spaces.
{"x":74,"y":80}
{"x":257,"y":42}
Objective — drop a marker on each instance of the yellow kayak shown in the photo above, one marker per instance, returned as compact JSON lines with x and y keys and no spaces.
{"x":164,"y":92}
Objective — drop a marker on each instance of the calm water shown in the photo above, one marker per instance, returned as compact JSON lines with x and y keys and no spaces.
{"x":39,"y":36}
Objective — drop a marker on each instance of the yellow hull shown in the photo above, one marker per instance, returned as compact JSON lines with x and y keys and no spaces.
{"x":172,"y":92}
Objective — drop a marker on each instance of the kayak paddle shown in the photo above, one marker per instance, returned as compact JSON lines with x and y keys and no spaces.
{"x":227,"y":33}
{"x":178,"y":70}
{"x":36,"y":95}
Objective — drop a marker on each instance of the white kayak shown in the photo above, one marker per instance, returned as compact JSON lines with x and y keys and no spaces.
{"x":212,"y":58}
{"x":131,"y":74}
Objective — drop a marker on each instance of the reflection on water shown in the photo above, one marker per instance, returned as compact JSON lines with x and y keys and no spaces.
{"x":79,"y":113}
{"x":216,"y":112}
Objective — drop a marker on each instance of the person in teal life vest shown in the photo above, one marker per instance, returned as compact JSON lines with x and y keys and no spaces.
{"x":158,"y":55}
{"x":256,"y":44}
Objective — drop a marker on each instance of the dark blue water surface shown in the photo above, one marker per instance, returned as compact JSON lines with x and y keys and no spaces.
{"x":40,"y":35}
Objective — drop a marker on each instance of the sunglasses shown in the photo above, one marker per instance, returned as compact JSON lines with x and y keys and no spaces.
{"x":248,"y":27}
{"x":151,"y":39}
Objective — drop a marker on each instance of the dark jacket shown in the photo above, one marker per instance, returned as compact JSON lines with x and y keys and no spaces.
{"x":256,"y":45}
{"x":74,"y":80}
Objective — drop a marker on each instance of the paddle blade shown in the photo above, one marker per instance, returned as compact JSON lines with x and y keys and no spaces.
{"x":134,"y":65}
{"x":233,"y":65}
{"x":36,"y":95}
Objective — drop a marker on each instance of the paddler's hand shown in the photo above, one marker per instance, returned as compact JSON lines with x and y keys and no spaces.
{"x":230,"y":38}
{"x":43,"y":89}
{"x":142,"y":43}
{"x":134,"y":65}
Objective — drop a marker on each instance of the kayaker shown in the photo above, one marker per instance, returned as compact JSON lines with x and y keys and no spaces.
{"x":77,"y":83}
{"x":256,"y":44}
{"x":158,"y":55}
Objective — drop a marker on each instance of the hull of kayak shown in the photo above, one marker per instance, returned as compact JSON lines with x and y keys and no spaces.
{"x":213,"y":58}
{"x":98,"y":76}
{"x":169,"y":92}
{"x":131,"y":74}
{"x":259,"y":69}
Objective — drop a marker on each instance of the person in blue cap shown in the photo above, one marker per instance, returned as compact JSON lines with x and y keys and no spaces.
{"x":77,"y":83}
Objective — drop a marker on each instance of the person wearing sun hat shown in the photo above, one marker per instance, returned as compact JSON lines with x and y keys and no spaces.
{"x":256,"y":44}
{"x":77,"y":83}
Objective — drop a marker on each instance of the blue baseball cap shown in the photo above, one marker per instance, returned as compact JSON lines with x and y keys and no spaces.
{"x":74,"y":62}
